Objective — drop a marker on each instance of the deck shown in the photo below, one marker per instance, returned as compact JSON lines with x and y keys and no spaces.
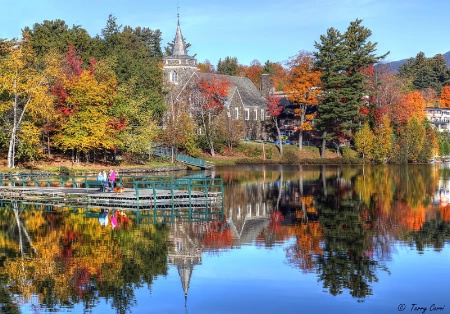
{"x":156,"y":199}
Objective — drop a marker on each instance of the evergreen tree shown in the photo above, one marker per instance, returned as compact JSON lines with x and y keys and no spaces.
{"x":57,"y":36}
{"x":422,"y":72}
{"x":229,"y":66}
{"x":342,"y":59}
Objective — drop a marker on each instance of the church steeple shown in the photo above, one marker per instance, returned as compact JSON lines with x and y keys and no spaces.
{"x":179,"y":66}
{"x":179,"y":47}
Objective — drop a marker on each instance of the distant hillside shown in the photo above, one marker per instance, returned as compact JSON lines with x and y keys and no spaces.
{"x":394,"y":65}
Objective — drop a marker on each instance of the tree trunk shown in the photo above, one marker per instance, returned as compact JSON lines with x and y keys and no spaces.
{"x":300,"y":133}
{"x":11,"y":149}
{"x":324,"y":142}
{"x":280,"y":142}
{"x":48,"y":144}
{"x":211,"y":144}
{"x":300,"y":140}
{"x":264,"y":151}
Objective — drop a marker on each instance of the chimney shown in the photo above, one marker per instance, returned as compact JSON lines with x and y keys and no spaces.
{"x":265,"y":84}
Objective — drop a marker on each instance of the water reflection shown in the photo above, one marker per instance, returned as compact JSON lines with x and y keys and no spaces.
{"x":337,"y":222}
{"x":345,"y":220}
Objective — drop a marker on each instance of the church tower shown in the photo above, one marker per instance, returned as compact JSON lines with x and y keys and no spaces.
{"x":178,"y":67}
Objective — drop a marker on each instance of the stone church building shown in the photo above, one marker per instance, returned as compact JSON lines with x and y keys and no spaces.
{"x":244,"y":103}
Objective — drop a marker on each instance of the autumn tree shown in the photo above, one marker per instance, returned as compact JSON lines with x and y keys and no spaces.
{"x":342,"y":58}
{"x":24,"y":85}
{"x":207,"y":101}
{"x":132,"y":119}
{"x":383,"y":141}
{"x":411,"y":105}
{"x":386,"y":91}
{"x":231,"y":130}
{"x":180,"y":128}
{"x":84,"y":99}
{"x":254,"y":72}
{"x":430,"y":147}
{"x":430,"y":96}
{"x":444,"y":100}
{"x":410,"y":141}
{"x":303,"y":89}
{"x":364,"y":141}
{"x":274,"y":109}
{"x":278,"y":74}
{"x":206,"y":67}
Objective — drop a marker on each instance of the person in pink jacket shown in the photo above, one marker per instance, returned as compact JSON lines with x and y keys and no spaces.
{"x":111,"y":179}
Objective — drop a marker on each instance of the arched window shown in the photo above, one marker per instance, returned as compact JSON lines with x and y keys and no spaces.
{"x":174,"y":77}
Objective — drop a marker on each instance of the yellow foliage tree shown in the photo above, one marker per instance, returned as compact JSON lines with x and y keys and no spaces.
{"x":85,"y":105}
{"x":24,"y":83}
{"x":364,"y":141}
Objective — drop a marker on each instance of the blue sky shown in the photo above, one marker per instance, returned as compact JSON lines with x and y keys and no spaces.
{"x":251,"y":29}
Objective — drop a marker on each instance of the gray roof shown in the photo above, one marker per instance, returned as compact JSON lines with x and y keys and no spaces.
{"x":179,"y":48}
{"x":248,"y":92}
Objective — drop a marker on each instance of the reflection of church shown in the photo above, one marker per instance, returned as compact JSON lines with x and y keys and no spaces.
{"x":247,"y":215}
{"x":185,"y":254}
{"x":247,"y":211}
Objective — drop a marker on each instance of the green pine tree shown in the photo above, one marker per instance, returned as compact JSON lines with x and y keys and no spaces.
{"x":341,"y":58}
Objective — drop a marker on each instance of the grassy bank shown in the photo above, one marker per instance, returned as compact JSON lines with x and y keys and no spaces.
{"x":255,"y":152}
{"x":245,"y":153}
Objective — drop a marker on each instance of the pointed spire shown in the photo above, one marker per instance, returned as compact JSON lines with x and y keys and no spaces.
{"x":179,"y":48}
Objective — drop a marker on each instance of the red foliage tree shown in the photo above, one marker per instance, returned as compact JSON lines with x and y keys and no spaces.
{"x":274,"y":108}
{"x":207,"y":102}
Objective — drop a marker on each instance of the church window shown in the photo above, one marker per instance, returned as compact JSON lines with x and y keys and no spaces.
{"x":174,"y":77}
{"x":262,"y":114}
{"x":247,"y":114}
{"x":236,"y":113}
{"x":256,"y":114}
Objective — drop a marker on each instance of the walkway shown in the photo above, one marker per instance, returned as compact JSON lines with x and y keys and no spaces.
{"x":192,"y":161}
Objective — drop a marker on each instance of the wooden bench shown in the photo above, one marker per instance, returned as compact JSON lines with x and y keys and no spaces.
{"x":96,"y":183}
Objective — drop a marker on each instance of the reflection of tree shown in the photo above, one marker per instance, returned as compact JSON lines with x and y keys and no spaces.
{"x":433,"y":233}
{"x":78,"y":260}
{"x":214,"y":236}
{"x":307,"y":247}
{"x":6,"y":303}
{"x":347,"y":258}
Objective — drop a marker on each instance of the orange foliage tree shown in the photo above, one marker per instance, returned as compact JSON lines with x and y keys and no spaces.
{"x":206,"y":67}
{"x":303,"y":89}
{"x":411,"y":105}
{"x":254,"y":72}
{"x":444,"y":101}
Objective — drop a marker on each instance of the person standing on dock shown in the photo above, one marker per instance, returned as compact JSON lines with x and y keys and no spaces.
{"x":101,"y":179}
{"x":112,"y":179}
{"x":105,"y":180}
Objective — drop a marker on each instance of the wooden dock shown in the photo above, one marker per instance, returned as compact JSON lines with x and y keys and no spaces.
{"x":152,"y":206}
{"x":82,"y":196}
{"x":149,"y":199}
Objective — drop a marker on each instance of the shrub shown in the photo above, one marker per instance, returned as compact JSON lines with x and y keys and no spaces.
{"x":289,"y":157}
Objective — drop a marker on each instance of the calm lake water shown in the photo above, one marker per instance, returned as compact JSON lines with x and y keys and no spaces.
{"x":291,"y":239}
